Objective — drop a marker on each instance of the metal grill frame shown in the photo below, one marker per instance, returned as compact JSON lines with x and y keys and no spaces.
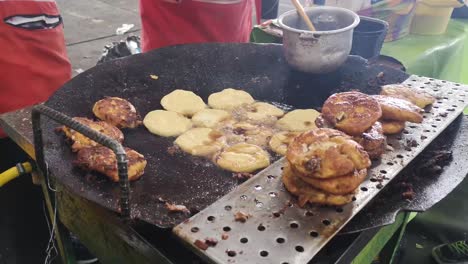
{"x":277,"y":230}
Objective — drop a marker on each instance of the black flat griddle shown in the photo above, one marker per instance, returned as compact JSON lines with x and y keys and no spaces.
{"x":204,"y":68}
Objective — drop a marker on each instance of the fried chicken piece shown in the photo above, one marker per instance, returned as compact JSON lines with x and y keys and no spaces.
{"x":103,"y":160}
{"x":80,"y":141}
{"x":391,"y":127}
{"x":326,"y":153}
{"x":373,"y":141}
{"x":399,"y":109}
{"x":417,"y":97}
{"x":351,"y":112}
{"x":118,"y":112}
{"x":308,"y":194}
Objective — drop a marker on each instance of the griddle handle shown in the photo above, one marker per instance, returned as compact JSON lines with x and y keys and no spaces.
{"x":102,"y":139}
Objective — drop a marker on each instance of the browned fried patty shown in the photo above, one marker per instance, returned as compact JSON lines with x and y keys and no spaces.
{"x":326,"y":153}
{"x":399,"y":109}
{"x":391,"y":127}
{"x":417,"y":97}
{"x":308,"y":194}
{"x":80,"y":141}
{"x":373,"y":141}
{"x":103,"y":160}
{"x":351,"y":112}
{"x":118,"y":112}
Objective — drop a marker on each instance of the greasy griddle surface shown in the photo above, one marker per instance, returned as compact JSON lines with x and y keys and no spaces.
{"x":202,"y":68}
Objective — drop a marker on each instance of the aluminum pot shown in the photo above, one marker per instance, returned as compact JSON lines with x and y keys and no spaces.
{"x":323,"y":50}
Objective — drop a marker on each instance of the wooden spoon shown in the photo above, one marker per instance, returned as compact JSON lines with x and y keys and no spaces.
{"x":303,"y":14}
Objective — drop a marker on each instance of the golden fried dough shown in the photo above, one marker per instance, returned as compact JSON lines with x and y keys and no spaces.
{"x":373,"y":141}
{"x":279,"y":142}
{"x":166,"y":123}
{"x":117,"y":111}
{"x":326,"y":153}
{"x":399,"y":109}
{"x":243,"y":157}
{"x":229,"y":98}
{"x":103,"y":160}
{"x":238,"y":132}
{"x":351,"y":112}
{"x":209,"y":117}
{"x":200,"y":141}
{"x":80,"y":141}
{"x":298,"y":120}
{"x":338,"y":185}
{"x":260,"y":111}
{"x":183,"y":102}
{"x":392,"y":127}
{"x":417,"y":97}
{"x":308,"y":194}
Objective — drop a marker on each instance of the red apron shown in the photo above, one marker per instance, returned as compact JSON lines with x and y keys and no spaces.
{"x":33,"y":62}
{"x":172,"y":22}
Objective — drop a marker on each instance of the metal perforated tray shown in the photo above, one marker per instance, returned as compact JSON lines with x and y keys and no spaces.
{"x":277,"y":230}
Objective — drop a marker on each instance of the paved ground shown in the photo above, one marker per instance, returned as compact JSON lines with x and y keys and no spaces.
{"x":91,"y":24}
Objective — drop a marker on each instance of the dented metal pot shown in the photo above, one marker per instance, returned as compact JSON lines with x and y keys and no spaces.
{"x":323,"y":50}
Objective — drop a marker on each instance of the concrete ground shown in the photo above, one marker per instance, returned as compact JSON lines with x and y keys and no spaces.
{"x":91,"y":24}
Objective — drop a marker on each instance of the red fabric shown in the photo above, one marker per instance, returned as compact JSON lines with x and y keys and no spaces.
{"x":172,"y":22}
{"x":33,"y":63}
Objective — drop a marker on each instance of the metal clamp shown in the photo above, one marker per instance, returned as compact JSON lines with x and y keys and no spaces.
{"x":102,"y":139}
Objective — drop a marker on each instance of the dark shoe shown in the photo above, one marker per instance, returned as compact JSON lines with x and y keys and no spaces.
{"x":453,"y":253}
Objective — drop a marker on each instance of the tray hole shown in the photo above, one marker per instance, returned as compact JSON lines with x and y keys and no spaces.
{"x":379,"y":186}
{"x":261,"y":227}
{"x":438,"y":119}
{"x":228,"y":208}
{"x":271,"y":177}
{"x":244,"y":240}
{"x":423,"y":137}
{"x":405,"y":132}
{"x":313,"y":233}
{"x":426,"y":130}
{"x":445,"y":98}
{"x":339,"y":210}
{"x":457,"y":84}
{"x":373,"y":179}
{"x":399,"y":156}
{"x":390,"y":144}
{"x":364,"y":189}
{"x":427,"y":83}
{"x":195,"y":229}
{"x":390,"y":163}
{"x":258,"y":187}
{"x":299,"y":249}
{"x":354,"y":198}
{"x":436,"y":90}
{"x":226,"y":229}
{"x":211,"y":218}
{"x":383,"y":171}
{"x":309,"y":213}
{"x":282,"y":168}
{"x":284,"y":262}
{"x":264,"y":253}
{"x":273,"y":194}
{"x":326,"y":222}
{"x":450,"y":92}
{"x":231,"y":253}
{"x":430,"y":79}
{"x":434,"y":126}
{"x":451,"y":109}
{"x":412,"y":126}
{"x":435,"y":106}
{"x":444,"y":81}
{"x":276,"y":214}
{"x":461,"y":101}
{"x":280,"y":240}
{"x":243,"y":197}
{"x":294,"y":225}
{"x":454,"y":105}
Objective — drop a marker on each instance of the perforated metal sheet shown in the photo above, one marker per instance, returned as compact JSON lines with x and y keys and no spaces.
{"x":277,"y":230}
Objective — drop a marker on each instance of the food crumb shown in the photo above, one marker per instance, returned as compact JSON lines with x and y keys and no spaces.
{"x":241,"y":217}
{"x":154,"y":77}
{"x":224,"y":236}
{"x":201,"y":245}
{"x":211,"y":242}
{"x":177,"y":208}
{"x":243,"y":176}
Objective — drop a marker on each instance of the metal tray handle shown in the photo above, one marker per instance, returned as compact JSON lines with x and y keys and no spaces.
{"x":122,"y":162}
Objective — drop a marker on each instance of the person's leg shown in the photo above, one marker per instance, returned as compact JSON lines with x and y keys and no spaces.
{"x":23,"y":230}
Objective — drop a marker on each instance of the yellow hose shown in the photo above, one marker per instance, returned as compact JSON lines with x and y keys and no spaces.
{"x":13,"y":173}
